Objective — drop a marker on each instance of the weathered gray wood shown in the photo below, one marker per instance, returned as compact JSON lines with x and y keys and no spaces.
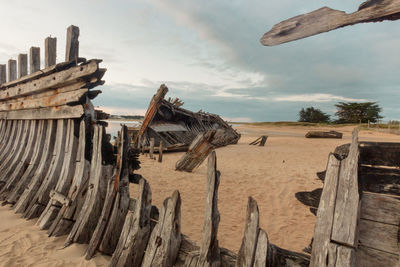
{"x":33,"y":164}
{"x":34,"y":59}
{"x":325,"y":214}
{"x":326,"y":19}
{"x":380,"y":236}
{"x":380,"y":208}
{"x":3,"y":74}
{"x":345,"y":257}
{"x":15,"y":126}
{"x":50,"y":51}
{"x":261,"y":255}
{"x":59,"y":99}
{"x":72,"y":49}
{"x":64,"y":181}
{"x":90,"y":212}
{"x":136,"y":231}
{"x":22,"y":65}
{"x":19,"y":138}
{"x":41,"y":171}
{"x":60,"y":112}
{"x":165,"y":240}
{"x":64,"y":220}
{"x":347,"y":205}
{"x":12,"y":70}
{"x":260,"y":141}
{"x":321,"y":134}
{"x":368,"y":257}
{"x":160,"y":151}
{"x":64,"y":200}
{"x":263,"y":140}
{"x":251,"y":232}
{"x":151,"y":151}
{"x":42,"y":196}
{"x":68,"y":76}
{"x":209,"y":249}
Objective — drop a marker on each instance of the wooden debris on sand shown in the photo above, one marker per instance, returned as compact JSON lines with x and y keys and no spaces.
{"x":260,"y":141}
{"x":320,"y":134}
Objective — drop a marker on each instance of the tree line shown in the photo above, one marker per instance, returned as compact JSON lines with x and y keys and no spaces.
{"x":350,"y":112}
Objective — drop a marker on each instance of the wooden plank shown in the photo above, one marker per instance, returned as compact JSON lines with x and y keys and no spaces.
{"x":151,"y":151}
{"x":136,"y":231}
{"x":15,"y":126}
{"x":21,"y":130}
{"x":368,"y":257}
{"x":347,"y":205}
{"x":379,"y":236}
{"x":325,"y":214}
{"x":72,"y":49}
{"x":380,"y":153}
{"x":380,"y":208}
{"x":249,"y":242}
{"x":41,"y":171}
{"x":321,"y":134}
{"x":160,"y":151}
{"x":65,"y":77}
{"x":165,"y":240}
{"x":50,"y":51}
{"x":326,"y":19}
{"x":22,"y":65}
{"x":261,"y":255}
{"x":345,"y":257}
{"x":34,"y":59}
{"x":3,"y":77}
{"x":209,"y":249}
{"x":263,"y":140}
{"x":59,"y":112}
{"x":12,"y":70}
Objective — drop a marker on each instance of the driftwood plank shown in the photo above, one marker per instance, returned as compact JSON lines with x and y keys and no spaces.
{"x":41,"y":171}
{"x":42,"y":196}
{"x":347,"y":204}
{"x":320,"y":134}
{"x":64,"y":220}
{"x":22,"y":65}
{"x":380,"y":208}
{"x":368,"y":257}
{"x":380,"y":236}
{"x":325,"y":214}
{"x":251,"y":232}
{"x":34,"y":59}
{"x":136,"y":231}
{"x":163,"y":246}
{"x":209,"y":249}
{"x":90,"y":212}
{"x":50,"y":51}
{"x":326,"y":19}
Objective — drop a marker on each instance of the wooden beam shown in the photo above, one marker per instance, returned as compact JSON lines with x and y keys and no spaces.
{"x":380,"y":208}
{"x":50,"y":51}
{"x":347,"y":200}
{"x":22,"y":65}
{"x":34,"y":59}
{"x":380,"y":236}
{"x":160,"y":151}
{"x":72,"y":49}
{"x":12,"y":70}
{"x":59,"y":112}
{"x":151,"y":151}
{"x":3,"y":75}
{"x":326,"y":19}
{"x":369,"y":257}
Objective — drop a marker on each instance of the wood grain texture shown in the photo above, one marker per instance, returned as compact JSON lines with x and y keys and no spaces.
{"x":12,"y":70}
{"x":22,"y":65}
{"x":50,"y":51}
{"x":262,"y":249}
{"x":380,"y":236}
{"x":72,"y":48}
{"x":368,"y":257}
{"x":380,"y":208}
{"x":34,"y":59}
{"x":59,"y":112}
{"x":3,"y":74}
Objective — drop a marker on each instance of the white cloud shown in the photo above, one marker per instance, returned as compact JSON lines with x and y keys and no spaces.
{"x":316,"y":98}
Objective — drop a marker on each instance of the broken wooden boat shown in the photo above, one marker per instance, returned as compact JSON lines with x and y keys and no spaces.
{"x":176,"y":127}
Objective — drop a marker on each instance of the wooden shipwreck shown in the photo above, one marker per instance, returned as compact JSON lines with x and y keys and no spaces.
{"x":176,"y":127}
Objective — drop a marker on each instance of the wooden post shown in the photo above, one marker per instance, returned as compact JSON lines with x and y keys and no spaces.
{"x":3,"y":77}
{"x":151,"y":148}
{"x":34,"y":59}
{"x":22,"y":65}
{"x":50,"y":51}
{"x":72,"y":50}
{"x":12,"y":70}
{"x":160,"y":152}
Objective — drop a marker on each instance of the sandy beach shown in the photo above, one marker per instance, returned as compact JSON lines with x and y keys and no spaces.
{"x":271,"y":175}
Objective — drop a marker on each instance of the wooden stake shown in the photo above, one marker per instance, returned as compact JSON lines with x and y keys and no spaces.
{"x":12,"y":70}
{"x":3,"y":77}
{"x":151,"y":152}
{"x":34,"y":59}
{"x":72,"y":50}
{"x":22,"y":65}
{"x":50,"y":51}
{"x":160,"y":151}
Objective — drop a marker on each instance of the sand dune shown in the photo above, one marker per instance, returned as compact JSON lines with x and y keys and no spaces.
{"x":271,"y":174}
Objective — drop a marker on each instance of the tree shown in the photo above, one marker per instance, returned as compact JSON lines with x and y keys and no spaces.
{"x":312,"y":114}
{"x":353,"y":112}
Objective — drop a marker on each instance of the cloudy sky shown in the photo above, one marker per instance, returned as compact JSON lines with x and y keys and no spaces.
{"x":208,"y":54}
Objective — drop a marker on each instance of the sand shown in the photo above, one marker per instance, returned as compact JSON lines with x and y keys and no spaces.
{"x":271,"y":175}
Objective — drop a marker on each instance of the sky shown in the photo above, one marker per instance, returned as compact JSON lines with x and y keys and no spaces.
{"x":209,"y":55}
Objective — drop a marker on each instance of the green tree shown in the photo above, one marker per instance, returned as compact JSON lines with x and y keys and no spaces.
{"x":312,"y":114}
{"x":353,"y":112}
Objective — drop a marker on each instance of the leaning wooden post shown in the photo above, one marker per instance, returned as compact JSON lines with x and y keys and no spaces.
{"x":3,"y":77}
{"x":50,"y":51}
{"x":22,"y":65}
{"x":160,"y":152}
{"x":151,"y":152}
{"x":209,"y":249}
{"x":12,"y":70}
{"x":72,"y":50}
{"x":34,"y":59}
